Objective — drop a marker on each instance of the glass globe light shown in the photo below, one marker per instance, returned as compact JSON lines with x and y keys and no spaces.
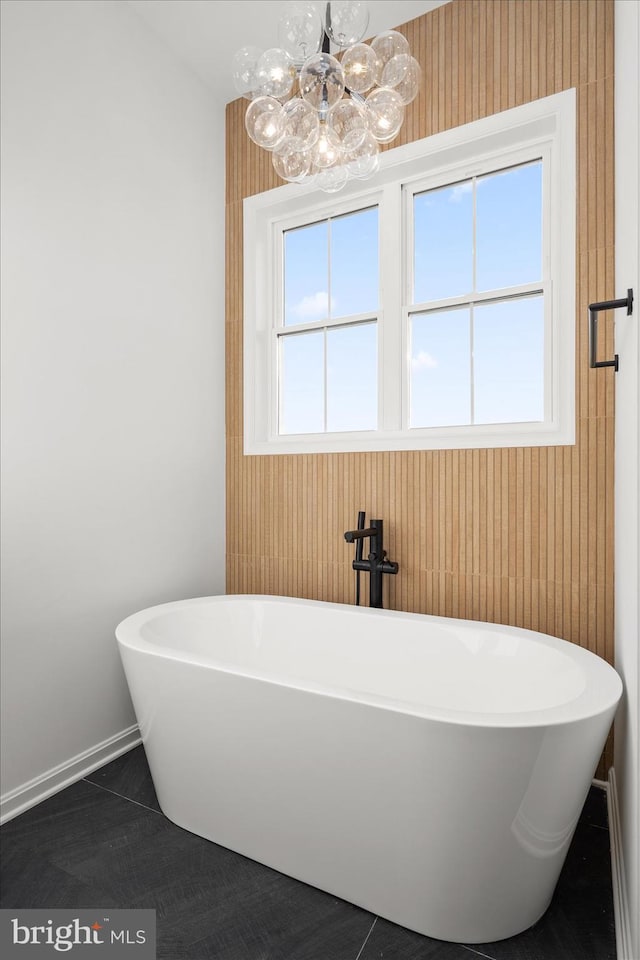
{"x":403,"y":74}
{"x":359,"y":63}
{"x":245,"y":71}
{"x":290,"y":163}
{"x":264,"y":122}
{"x":362,"y":159}
{"x":327,"y":150}
{"x":332,"y":179}
{"x":386,"y":113}
{"x":300,"y":31}
{"x":301,"y":125}
{"x":322,"y":80}
{"x":386,"y":46}
{"x":346,"y":21}
{"x":347,"y":119}
{"x":365,"y":168}
{"x":275,"y":72}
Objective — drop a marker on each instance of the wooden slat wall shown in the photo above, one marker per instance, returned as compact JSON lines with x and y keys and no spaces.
{"x":518,"y":536}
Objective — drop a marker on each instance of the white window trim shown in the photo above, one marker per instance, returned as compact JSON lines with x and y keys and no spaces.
{"x":547,"y":125}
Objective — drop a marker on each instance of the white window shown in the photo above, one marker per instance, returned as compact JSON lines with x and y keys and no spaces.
{"x":430,"y":308}
{"x":327,"y":325}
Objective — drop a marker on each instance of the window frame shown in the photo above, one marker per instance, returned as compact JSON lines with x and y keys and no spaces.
{"x":543,"y":128}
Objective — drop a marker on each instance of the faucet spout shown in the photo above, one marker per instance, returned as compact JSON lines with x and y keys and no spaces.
{"x":352,"y":535}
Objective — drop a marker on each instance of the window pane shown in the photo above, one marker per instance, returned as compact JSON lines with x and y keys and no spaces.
{"x":440,"y":369}
{"x":509,"y":227}
{"x":302,"y":383}
{"x":508,"y":351}
{"x":443,"y":242}
{"x":354,"y":263}
{"x":352,"y":377}
{"x":306,"y":274}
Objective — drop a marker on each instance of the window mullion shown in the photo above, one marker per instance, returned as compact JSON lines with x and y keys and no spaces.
{"x":329,"y":228}
{"x":474,"y":258}
{"x":391,"y":374}
{"x":472,"y":399}
{"x":408,"y":281}
{"x":474,"y":281}
{"x":324,"y":378}
{"x":275,"y":349}
{"x":275,"y":366}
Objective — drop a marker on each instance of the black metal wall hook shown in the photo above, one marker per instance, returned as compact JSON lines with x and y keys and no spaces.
{"x":594,"y":309}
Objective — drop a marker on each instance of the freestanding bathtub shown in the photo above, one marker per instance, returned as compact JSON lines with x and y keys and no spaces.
{"x":429,"y":770}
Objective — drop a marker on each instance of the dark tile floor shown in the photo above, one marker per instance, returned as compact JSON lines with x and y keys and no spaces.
{"x":103,"y":842}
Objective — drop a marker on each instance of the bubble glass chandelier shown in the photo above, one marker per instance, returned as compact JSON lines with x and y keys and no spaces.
{"x":323,"y":115}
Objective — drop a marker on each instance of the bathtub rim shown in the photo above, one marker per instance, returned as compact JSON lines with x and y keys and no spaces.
{"x":592,"y":702}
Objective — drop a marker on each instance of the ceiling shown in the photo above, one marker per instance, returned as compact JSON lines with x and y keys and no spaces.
{"x":206,"y":33}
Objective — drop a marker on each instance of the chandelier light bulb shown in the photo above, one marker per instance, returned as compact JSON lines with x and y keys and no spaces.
{"x":301,"y":124}
{"x":264,"y":122}
{"x":290,"y":163}
{"x":300,"y":31}
{"x":276,"y":73}
{"x":386,"y":46}
{"x":327,"y":150}
{"x":362,"y":157}
{"x":348,"y":120}
{"x":245,"y":71}
{"x":322,"y":81}
{"x":360,"y":65}
{"x":346,"y":22}
{"x":332,"y":179}
{"x":386,"y":113}
{"x":402,"y":73}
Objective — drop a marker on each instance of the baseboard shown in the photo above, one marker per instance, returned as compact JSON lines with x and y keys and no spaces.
{"x":620,"y":901}
{"x":56,"y":779}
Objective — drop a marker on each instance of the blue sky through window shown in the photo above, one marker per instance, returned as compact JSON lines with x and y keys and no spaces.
{"x":352,"y":381}
{"x":306,"y":271}
{"x":472,"y":364}
{"x":443,"y":243}
{"x":331,"y":268}
{"x":331,"y":271}
{"x":440,"y":369}
{"x":508,"y":361}
{"x":302,"y":383}
{"x":509,"y":227}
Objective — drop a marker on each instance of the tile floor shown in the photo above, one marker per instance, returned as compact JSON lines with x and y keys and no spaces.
{"x":103,"y":842}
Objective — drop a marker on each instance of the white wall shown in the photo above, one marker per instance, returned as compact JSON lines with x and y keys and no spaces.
{"x":112,"y":361}
{"x":627,"y":487}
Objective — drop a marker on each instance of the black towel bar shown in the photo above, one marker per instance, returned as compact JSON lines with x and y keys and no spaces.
{"x":594,"y":309}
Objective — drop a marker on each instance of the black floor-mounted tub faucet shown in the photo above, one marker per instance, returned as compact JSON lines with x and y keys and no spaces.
{"x":376,"y":565}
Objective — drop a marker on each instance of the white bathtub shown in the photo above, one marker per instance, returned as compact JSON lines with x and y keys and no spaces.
{"x":429,"y":770}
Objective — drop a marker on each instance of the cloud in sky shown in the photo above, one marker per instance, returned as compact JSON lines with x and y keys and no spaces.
{"x":453,"y":194}
{"x":458,"y":191}
{"x":313,"y":307}
{"x":423,"y":361}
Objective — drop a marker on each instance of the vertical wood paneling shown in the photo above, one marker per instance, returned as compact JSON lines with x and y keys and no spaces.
{"x":521,"y":536}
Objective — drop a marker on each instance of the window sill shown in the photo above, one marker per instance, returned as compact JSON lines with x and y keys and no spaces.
{"x":453,"y":438}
